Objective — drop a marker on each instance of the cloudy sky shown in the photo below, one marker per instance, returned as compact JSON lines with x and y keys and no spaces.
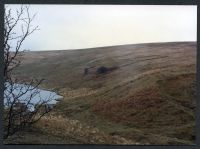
{"x":86,"y":26}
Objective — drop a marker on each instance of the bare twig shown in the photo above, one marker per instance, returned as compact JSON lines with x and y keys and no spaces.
{"x":17,"y":113}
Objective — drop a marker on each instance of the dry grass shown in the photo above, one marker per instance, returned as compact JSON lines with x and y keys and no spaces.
{"x":64,"y":127}
{"x":149,"y":98}
{"x":132,"y":106}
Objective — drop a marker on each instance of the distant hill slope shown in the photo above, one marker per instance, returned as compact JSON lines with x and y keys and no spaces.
{"x":148,"y":93}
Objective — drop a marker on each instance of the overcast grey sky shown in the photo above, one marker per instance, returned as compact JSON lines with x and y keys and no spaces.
{"x":85,"y":26}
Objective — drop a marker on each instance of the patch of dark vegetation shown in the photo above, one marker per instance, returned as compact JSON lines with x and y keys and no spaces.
{"x":104,"y":70}
{"x":99,"y":70}
{"x":86,"y":70}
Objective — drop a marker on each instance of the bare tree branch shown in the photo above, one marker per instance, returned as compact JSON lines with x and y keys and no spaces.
{"x":17,"y":113}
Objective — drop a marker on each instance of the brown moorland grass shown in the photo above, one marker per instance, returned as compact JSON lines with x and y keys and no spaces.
{"x":149,"y":99}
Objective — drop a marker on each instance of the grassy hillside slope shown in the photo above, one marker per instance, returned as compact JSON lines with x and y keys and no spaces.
{"x":148,"y":96}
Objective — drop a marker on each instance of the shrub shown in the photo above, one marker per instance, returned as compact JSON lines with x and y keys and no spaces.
{"x":86,"y":71}
{"x":102,"y":70}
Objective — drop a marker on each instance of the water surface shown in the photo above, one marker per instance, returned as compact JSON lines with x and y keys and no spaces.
{"x":29,"y":95}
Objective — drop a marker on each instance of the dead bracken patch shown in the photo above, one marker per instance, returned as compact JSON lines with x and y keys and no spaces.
{"x":180,"y":81}
{"x":152,"y":106}
{"x":182,"y":88}
{"x":124,"y":110}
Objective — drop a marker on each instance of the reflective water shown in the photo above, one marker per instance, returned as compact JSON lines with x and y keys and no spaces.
{"x":29,"y":95}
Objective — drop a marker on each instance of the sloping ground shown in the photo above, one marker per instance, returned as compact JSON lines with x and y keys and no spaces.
{"x":150,"y":98}
{"x":149,"y":104}
{"x":131,"y":60}
{"x":156,"y":110}
{"x":58,"y":130}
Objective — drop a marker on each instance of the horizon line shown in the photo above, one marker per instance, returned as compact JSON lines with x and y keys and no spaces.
{"x":107,"y":46}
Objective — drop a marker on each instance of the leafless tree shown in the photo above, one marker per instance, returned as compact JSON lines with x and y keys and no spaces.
{"x":17,"y":113}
